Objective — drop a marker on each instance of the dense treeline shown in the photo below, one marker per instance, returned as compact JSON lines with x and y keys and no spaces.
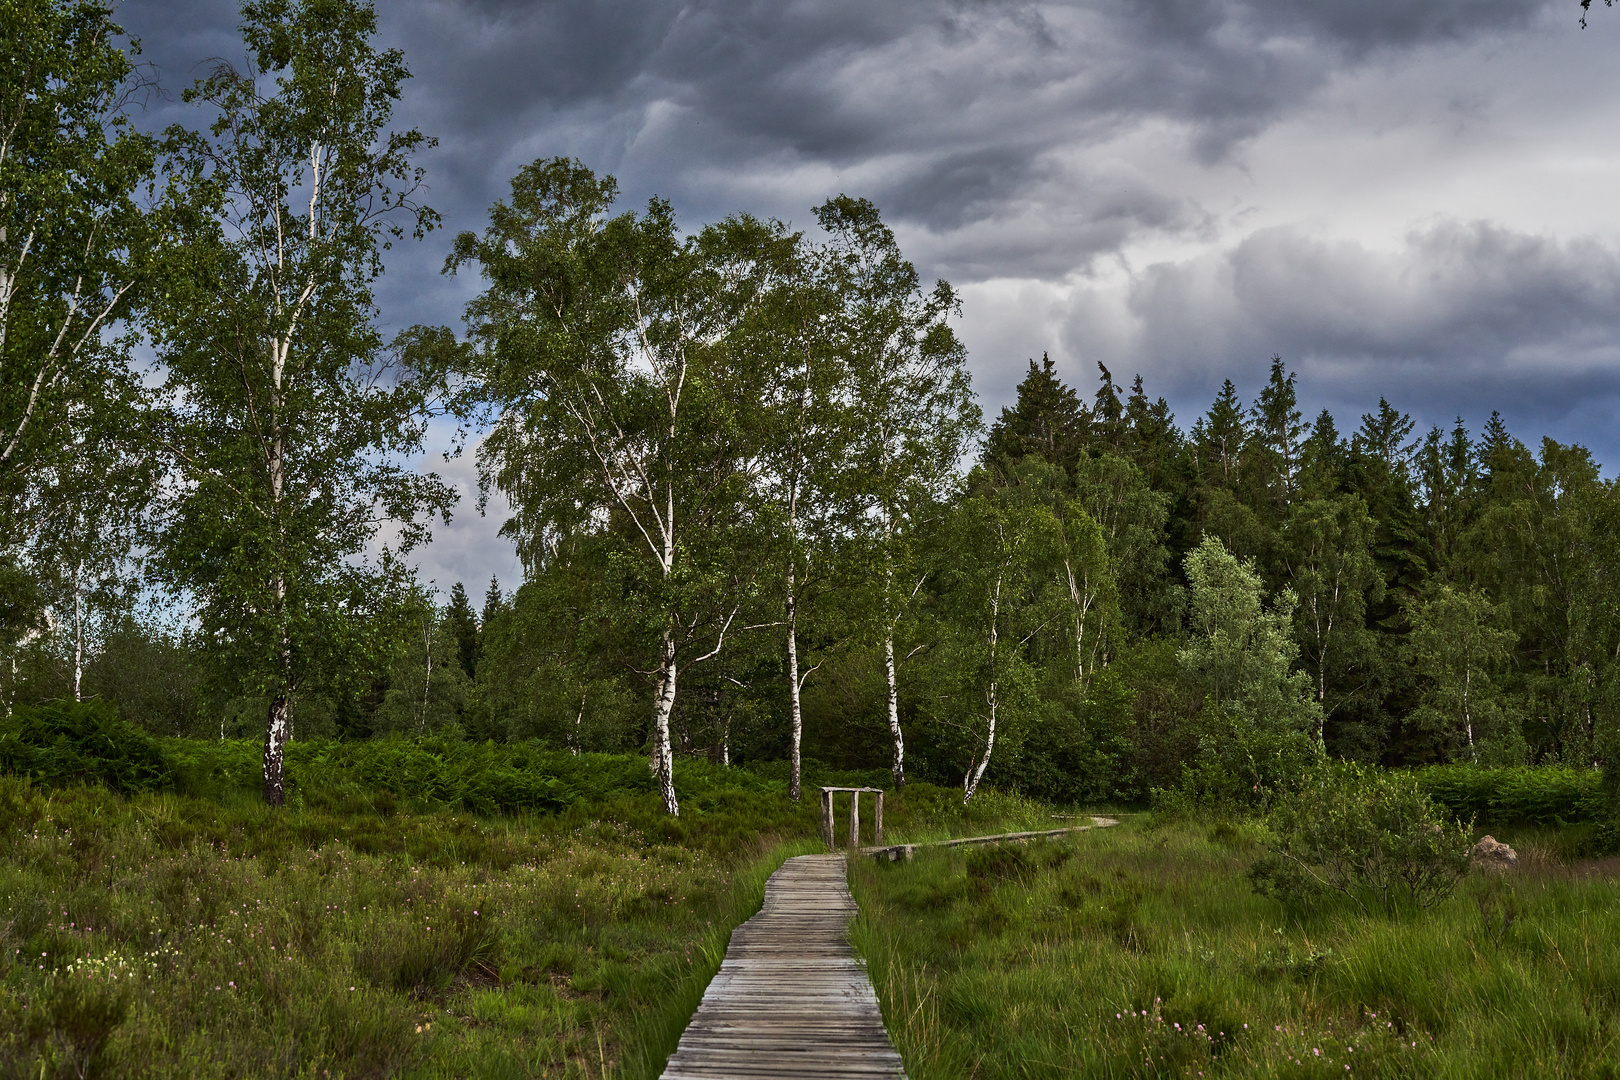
{"x":760,"y":515}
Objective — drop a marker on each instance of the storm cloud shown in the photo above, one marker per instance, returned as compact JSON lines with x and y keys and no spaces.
{"x":1411,"y":200}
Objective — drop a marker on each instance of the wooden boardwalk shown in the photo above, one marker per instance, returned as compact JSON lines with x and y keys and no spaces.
{"x":790,"y":1000}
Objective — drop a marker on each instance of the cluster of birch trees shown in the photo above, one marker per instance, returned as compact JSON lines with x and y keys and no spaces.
{"x":256,"y":461}
{"x":726,"y":409}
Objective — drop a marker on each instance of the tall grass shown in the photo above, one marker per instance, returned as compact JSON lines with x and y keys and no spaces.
{"x":1138,"y":952}
{"x":378,"y":927}
{"x":164,"y":935}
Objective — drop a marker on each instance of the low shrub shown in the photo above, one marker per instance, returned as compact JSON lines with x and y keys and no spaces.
{"x":67,"y":742}
{"x":62,"y":1031}
{"x":1366,"y":834}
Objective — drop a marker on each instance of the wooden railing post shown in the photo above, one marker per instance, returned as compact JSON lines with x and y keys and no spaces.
{"x":829,"y":823}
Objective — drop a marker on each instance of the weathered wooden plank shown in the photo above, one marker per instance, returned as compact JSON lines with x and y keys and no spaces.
{"x":790,"y":999}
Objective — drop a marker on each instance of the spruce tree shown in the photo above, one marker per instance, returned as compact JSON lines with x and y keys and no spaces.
{"x":1155,"y":443}
{"x":463,"y":627}
{"x":1448,"y":481}
{"x":1324,"y":459}
{"x":494,"y":603}
{"x":1382,"y":464}
{"x":1108,"y":427}
{"x":1495,"y":446}
{"x":1047,"y":421}
{"x":1219,"y":438}
{"x":1383,"y":438}
{"x":1272,"y":463}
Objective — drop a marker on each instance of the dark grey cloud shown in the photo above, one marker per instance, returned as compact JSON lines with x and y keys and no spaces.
{"x":1083,"y":169}
{"x":1459,"y":318}
{"x":1453,"y":292}
{"x":949,"y":115}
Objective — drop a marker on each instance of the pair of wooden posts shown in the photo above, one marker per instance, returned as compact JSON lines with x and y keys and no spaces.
{"x":855,"y":794}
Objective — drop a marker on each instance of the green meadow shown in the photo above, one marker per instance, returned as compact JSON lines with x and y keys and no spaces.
{"x":441,"y":908}
{"x":1142,"y":951}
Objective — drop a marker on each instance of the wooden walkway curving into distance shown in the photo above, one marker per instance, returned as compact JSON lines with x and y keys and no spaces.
{"x":790,"y":1000}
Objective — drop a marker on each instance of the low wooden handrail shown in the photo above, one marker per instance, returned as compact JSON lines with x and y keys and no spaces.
{"x":897,"y":852}
{"x":855,"y":794}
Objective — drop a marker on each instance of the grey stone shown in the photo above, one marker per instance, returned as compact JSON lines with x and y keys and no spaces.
{"x":1491,"y":854}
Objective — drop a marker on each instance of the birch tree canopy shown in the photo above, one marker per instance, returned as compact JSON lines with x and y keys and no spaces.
{"x":912,"y":409}
{"x":622,"y":405}
{"x":72,"y":234}
{"x":288,"y":422}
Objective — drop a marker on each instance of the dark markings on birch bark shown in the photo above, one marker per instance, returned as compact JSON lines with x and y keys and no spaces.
{"x":275,"y":752}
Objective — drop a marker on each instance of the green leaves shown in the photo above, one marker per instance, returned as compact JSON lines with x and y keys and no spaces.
{"x":287,"y":423}
{"x":612,"y":361}
{"x":1459,"y":645}
{"x":1364,"y":833}
{"x":1241,"y":654}
{"x":73,"y":242}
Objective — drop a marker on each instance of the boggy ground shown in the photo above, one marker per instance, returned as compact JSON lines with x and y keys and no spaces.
{"x":166,"y":935}
{"x":1139,"y":951}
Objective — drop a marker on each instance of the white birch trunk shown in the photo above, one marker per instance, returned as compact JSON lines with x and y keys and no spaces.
{"x":796,"y":716}
{"x":278,"y":728}
{"x":1082,"y":599}
{"x":663,"y":758}
{"x":78,"y":634}
{"x":899,"y":766}
{"x":579,"y":722}
{"x":1468,"y":717}
{"x":970,"y":782}
{"x":427,"y":678}
{"x":275,"y":750}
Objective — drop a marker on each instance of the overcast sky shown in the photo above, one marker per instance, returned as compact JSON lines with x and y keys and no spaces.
{"x":1410,"y":199}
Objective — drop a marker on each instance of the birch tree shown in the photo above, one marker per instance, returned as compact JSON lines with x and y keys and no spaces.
{"x":911,"y":408}
{"x":92,"y":502}
{"x":803,"y":488}
{"x":72,"y":237}
{"x":1081,"y":602}
{"x":289,"y":424}
{"x":1328,"y":561}
{"x":1459,"y":644}
{"x":993,"y":551}
{"x":1240,"y":654}
{"x":621,"y":405}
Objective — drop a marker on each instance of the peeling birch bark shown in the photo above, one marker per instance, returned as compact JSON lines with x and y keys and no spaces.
{"x":899,"y":766}
{"x":662,"y":762}
{"x":970,"y":782}
{"x":78,"y":634}
{"x":275,"y":751}
{"x":796,"y":716}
